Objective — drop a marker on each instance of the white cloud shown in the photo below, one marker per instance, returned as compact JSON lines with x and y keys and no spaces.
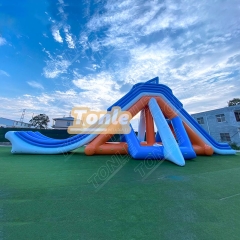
{"x":59,"y":64}
{"x":68,"y":93}
{"x":130,"y":19}
{"x":61,"y":10}
{"x":4,"y":73}
{"x":56,"y":34}
{"x":45,"y":35}
{"x":192,"y":46}
{"x":53,"y":104}
{"x":97,"y":90}
{"x":45,"y":99}
{"x":58,"y":103}
{"x":3,"y":41}
{"x":10,"y":106}
{"x":69,"y":38}
{"x":55,"y":67}
{"x":35,"y":85}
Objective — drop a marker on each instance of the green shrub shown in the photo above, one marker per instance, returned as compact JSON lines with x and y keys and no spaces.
{"x":234,"y":146}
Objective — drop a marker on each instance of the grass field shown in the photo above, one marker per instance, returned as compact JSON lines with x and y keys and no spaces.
{"x":100,"y":197}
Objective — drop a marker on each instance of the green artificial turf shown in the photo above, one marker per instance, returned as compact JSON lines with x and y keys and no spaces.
{"x":53,"y":197}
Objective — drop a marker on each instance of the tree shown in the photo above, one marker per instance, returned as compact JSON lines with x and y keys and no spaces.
{"x":234,"y":102}
{"x":40,"y":121}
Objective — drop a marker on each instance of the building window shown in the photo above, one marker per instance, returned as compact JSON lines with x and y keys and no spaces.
{"x":68,"y":123}
{"x":200,"y":120}
{"x":220,"y":118}
{"x":237,"y":115}
{"x":225,"y":137}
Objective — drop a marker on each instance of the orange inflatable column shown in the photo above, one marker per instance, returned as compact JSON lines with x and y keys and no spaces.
{"x":112,"y":148}
{"x":150,"y":136}
{"x":90,"y":149}
{"x":199,"y":146}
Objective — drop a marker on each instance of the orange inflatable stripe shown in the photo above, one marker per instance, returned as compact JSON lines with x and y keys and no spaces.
{"x":199,"y":146}
{"x":112,"y":148}
{"x":167,"y":111}
{"x":150,"y":136}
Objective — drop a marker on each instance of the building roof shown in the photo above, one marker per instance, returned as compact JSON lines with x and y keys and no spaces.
{"x":236,"y":107}
{"x":65,"y":118}
{"x":13,"y":120}
{"x":7,"y":119}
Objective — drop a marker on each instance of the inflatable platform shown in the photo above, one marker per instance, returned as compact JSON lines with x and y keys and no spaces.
{"x":165,"y":131}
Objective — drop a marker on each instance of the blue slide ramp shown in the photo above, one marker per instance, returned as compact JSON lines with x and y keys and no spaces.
{"x":142,"y":127}
{"x":142,"y":152}
{"x":183,"y":140}
{"x":170,"y":149}
{"x":35,"y":143}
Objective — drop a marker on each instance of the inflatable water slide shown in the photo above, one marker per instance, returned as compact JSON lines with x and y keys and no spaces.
{"x":178,"y":137}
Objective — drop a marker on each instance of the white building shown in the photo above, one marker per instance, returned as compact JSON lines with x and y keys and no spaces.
{"x":5,"y":122}
{"x":62,"y":123}
{"x":222,"y":124}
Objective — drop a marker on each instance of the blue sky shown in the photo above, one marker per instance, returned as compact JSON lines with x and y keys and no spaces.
{"x":57,"y":54}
